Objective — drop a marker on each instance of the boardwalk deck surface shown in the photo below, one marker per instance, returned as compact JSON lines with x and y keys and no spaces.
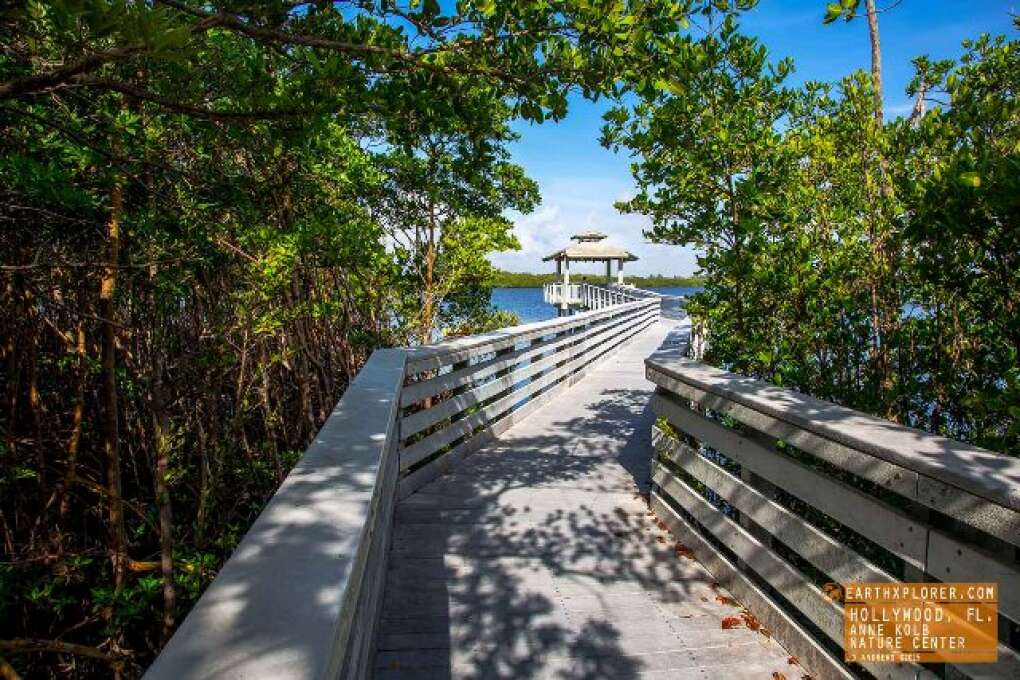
{"x":537,"y":558}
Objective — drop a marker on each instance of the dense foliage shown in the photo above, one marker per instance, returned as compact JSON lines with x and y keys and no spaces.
{"x":872,"y":263}
{"x":505,"y":279}
{"x":212,"y":213}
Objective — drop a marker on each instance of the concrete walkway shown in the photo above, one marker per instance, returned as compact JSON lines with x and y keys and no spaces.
{"x":538,"y":558}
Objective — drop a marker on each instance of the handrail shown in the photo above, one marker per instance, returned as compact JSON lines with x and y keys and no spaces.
{"x":558,"y":293}
{"x":854,"y":497}
{"x":300,"y":596}
{"x":594,"y":296}
{"x":469,"y":390}
{"x":450,"y":351}
{"x":673,"y":306}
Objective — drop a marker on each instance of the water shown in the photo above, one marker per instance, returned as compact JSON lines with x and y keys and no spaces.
{"x":528,"y":305}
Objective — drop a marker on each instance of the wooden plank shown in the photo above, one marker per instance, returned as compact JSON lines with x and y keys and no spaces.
{"x":887,"y":475}
{"x":995,"y":520}
{"x":424,"y":448}
{"x":952,"y":560}
{"x":827,"y":554}
{"x":787,"y":580}
{"x":889,"y":528}
{"x":984,"y":473}
{"x":356,"y":634}
{"x":815,"y":658}
{"x":1006,"y":668}
{"x":423,"y":475}
{"x":448,"y":408}
{"x":422,"y":389}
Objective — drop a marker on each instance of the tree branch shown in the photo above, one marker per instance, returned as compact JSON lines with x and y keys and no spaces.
{"x":233,"y":23}
{"x":30,"y":645}
{"x":7,"y":671}
{"x":41,"y":82}
{"x":182,"y":107}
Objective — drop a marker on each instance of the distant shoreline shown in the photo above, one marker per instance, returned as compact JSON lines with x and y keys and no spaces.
{"x":502,"y":279}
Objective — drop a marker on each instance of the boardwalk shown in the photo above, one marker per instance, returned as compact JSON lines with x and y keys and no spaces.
{"x":537,"y":557}
{"x":390,"y":552}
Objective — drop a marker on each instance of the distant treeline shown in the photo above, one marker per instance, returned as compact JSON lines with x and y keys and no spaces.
{"x":502,"y":279}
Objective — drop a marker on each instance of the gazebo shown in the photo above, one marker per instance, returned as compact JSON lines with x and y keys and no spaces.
{"x":589,"y":248}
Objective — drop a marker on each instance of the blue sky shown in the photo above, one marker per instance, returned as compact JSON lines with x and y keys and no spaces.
{"x":580,"y":180}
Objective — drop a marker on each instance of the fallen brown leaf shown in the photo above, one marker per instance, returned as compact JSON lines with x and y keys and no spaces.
{"x":729,"y":622}
{"x":683,"y":551}
{"x":751,"y":620}
{"x":833,"y":591}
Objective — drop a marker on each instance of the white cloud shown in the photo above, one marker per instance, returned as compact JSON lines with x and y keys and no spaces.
{"x":573,"y":204}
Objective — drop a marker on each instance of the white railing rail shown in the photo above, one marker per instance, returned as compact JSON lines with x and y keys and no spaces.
{"x":775,"y":492}
{"x":300,"y":597}
{"x":594,"y":296}
{"x":673,"y":306}
{"x":465,"y":392}
{"x":562,"y":294}
{"x":599,"y":297}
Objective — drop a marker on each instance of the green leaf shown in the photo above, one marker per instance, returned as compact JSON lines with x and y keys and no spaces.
{"x":970,"y":179}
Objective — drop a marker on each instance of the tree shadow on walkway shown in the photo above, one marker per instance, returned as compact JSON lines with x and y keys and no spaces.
{"x":537,"y":557}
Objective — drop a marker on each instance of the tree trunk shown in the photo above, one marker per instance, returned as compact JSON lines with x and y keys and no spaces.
{"x":161,"y":436}
{"x":206,"y":481}
{"x":428,"y":292}
{"x":74,"y":439}
{"x":108,"y":352}
{"x":876,"y":60}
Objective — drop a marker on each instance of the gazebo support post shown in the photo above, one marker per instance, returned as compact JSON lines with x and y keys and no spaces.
{"x":565,"y":299}
{"x":609,"y":271}
{"x":619,"y":272}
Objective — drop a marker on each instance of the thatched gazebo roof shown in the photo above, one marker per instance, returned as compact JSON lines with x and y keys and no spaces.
{"x":590,"y":248}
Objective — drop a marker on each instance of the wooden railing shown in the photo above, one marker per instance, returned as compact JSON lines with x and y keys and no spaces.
{"x":560,"y":294}
{"x":594,"y":296}
{"x":600,"y":297}
{"x":300,"y":596}
{"x":673,"y":306}
{"x":464,"y":392}
{"x":778,"y":493}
